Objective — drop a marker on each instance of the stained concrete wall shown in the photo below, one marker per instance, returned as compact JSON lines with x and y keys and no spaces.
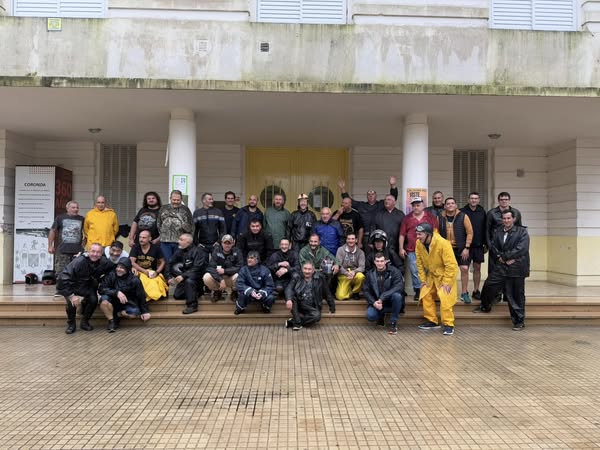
{"x":315,"y":58}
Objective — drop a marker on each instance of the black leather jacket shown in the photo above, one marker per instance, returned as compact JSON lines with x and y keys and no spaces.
{"x":300,"y":225}
{"x":231,"y":263}
{"x":188,"y":262}
{"x":515,"y":247}
{"x":82,"y":275}
{"x":128,"y":284}
{"x":320,"y":291}
{"x":393,"y":282}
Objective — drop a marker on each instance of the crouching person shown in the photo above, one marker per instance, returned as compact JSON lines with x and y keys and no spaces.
{"x":305,"y":296}
{"x":254,"y":283}
{"x":185,"y":269}
{"x":122,"y":295}
{"x":78,"y":283}
{"x":383,"y":288}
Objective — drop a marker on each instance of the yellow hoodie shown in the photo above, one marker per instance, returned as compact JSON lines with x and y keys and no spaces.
{"x":101,"y":227}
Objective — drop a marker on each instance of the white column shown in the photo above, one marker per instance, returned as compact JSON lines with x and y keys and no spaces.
{"x":415,"y":157}
{"x":182,"y":154}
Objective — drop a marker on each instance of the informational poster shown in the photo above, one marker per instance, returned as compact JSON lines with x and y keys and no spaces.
{"x":41,"y":192}
{"x":412,"y":193}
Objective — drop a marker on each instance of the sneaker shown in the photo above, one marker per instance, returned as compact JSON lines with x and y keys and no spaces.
{"x":381,"y":322}
{"x":297,"y":327}
{"x":518,"y":327}
{"x":464,"y":297}
{"x":289,"y":323}
{"x":238,"y":311}
{"x":429,"y":326}
{"x":57,"y":295}
{"x":266,"y":309}
{"x":476,"y":294}
{"x":190,"y":310}
{"x":216,"y":296}
{"x":110,"y":326}
{"x":479,"y":309}
{"x":393,"y":329}
{"x":70,"y":327}
{"x":448,"y":330}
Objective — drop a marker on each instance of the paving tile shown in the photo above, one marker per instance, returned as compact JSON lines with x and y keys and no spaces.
{"x":264,"y":387}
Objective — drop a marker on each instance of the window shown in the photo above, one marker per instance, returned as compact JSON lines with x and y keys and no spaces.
{"x":551,"y":15}
{"x":118,"y":182}
{"x":60,"y":8}
{"x":302,"y":11}
{"x":470,"y":175}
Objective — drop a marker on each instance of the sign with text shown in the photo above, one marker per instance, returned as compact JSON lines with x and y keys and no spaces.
{"x":411,"y":194}
{"x":41,"y":192}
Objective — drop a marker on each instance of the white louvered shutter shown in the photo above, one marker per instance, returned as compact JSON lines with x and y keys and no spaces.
{"x":60,"y":8}
{"x":512,"y":14}
{"x":324,"y":11}
{"x":280,"y":11}
{"x":554,"y":15}
{"x":36,"y":8}
{"x":82,"y":8}
{"x":302,"y":11}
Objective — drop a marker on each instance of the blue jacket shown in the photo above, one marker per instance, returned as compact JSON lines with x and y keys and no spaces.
{"x":241,"y":221}
{"x":331,"y":234}
{"x":256,"y":278}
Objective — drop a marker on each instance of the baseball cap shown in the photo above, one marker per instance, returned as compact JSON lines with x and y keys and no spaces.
{"x":228,"y":238}
{"x":416,"y":200}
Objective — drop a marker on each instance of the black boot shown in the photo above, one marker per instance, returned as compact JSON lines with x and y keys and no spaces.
{"x":110,"y":326}
{"x":87,"y":311}
{"x":71,"y":312}
{"x":417,"y":293}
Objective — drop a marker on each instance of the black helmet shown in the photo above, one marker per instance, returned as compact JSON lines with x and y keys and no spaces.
{"x":424,"y":228}
{"x":378,"y":235}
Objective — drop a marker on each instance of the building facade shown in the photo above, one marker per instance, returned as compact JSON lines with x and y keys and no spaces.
{"x":446,"y":95}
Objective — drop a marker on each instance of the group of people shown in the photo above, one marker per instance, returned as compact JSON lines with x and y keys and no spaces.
{"x":359,"y":250}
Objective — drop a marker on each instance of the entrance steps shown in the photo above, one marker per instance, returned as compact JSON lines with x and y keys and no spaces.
{"x":46,"y":310}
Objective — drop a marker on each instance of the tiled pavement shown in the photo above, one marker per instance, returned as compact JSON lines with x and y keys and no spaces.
{"x":334,"y":387}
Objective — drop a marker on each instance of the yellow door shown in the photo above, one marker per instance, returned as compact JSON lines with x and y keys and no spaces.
{"x":293,"y":171}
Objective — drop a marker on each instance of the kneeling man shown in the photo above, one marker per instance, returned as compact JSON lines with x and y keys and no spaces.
{"x":122,"y":295}
{"x":78,"y":283}
{"x":254,"y":283}
{"x":305,"y":296}
{"x":383,"y":288}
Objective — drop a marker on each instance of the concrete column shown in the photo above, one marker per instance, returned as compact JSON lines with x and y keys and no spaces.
{"x":182,"y":154}
{"x":415,"y":157}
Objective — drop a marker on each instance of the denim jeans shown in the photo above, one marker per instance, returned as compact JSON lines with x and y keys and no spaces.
{"x":414,"y":273}
{"x":392,"y":305}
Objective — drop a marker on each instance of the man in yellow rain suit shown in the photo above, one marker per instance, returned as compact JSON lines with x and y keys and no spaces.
{"x":438,"y":272}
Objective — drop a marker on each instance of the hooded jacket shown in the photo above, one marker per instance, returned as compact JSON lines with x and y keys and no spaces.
{"x":128,"y":284}
{"x":100,"y":227}
{"x":257,"y":278}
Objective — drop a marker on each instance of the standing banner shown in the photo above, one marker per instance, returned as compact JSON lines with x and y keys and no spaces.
{"x":411,"y":193}
{"x":41,"y":192}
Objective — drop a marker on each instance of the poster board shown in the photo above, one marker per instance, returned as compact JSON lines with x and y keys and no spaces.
{"x":41,"y":192}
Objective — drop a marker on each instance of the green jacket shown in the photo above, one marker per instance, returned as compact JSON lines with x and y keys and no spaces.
{"x":276,"y":223}
{"x":317,"y":258}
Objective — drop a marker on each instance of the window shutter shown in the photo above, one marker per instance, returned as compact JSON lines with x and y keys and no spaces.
{"x":60,"y":8}
{"x":554,"y":15}
{"x":82,"y":8}
{"x":470,"y":175}
{"x":324,"y":11}
{"x":119,"y":180}
{"x":512,"y":14}
{"x":302,"y":11}
{"x":36,"y":8}
{"x":280,"y":11}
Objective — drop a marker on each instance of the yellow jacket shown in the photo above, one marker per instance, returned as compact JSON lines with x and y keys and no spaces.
{"x":438,"y":266}
{"x":100,"y":227}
